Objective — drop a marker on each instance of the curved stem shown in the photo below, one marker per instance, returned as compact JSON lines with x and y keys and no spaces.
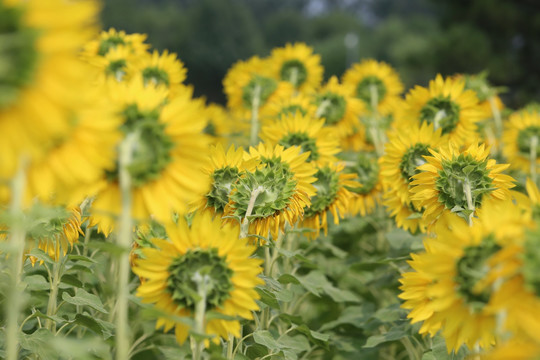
{"x":255,"y":104}
{"x":245,"y":223}
{"x":468,"y":196}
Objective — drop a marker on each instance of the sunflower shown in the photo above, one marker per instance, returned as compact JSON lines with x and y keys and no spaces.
{"x":219,"y":124}
{"x":279,"y":190}
{"x":367,"y":173}
{"x":446,"y":105}
{"x":206,"y":251}
{"x":41,"y":75}
{"x":298,"y":65}
{"x":114,"y":64}
{"x":404,"y":152}
{"x":285,"y":105}
{"x":250,"y":87}
{"x":521,"y":139}
{"x":166,"y":162}
{"x":309,"y":134}
{"x":515,"y":349}
{"x":377,"y":84}
{"x":459,"y":181}
{"x":456,"y":280}
{"x":158,"y":68}
{"x":406,"y":214}
{"x":224,"y":169}
{"x":109,"y":40}
{"x":332,"y":196}
{"x":339,"y":109}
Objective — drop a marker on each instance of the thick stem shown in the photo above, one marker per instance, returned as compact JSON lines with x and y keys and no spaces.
{"x":124,"y":241}
{"x":496,"y":116}
{"x":374,"y":126}
{"x":437,"y":119}
{"x":200,"y":311}
{"x":532,"y":158}
{"x":255,"y":104}
{"x":245,"y":223}
{"x":294,"y":77}
{"x":53,"y":293}
{"x":322,"y":108}
{"x":16,"y":253}
{"x":230,"y":346}
{"x":468,"y":196}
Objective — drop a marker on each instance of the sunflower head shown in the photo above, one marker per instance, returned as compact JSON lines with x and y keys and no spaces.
{"x":521,"y":139}
{"x":298,"y":65}
{"x":202,"y":262}
{"x":110,"y":40}
{"x":288,"y":105}
{"x":158,"y":68}
{"x":375,"y":83}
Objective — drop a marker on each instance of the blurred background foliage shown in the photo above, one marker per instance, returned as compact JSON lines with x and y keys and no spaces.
{"x":420,"y":38}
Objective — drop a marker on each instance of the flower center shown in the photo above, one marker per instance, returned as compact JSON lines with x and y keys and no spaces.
{"x":304,"y":141}
{"x":183,"y":288}
{"x":472,"y":268}
{"x":526,"y":137}
{"x":152,"y":151}
{"x":222,"y":182}
{"x":155,"y":76}
{"x":110,"y":43}
{"x":460,"y":178}
{"x":531,"y":262}
{"x":117,"y":69}
{"x":412,"y":158}
{"x":367,"y":173}
{"x":277,"y":182}
{"x":17,"y":53}
{"x":371,"y":90}
{"x":259,"y":87}
{"x":327,"y":186}
{"x":294,"y":71}
{"x":331,"y":107}
{"x":442,"y":112}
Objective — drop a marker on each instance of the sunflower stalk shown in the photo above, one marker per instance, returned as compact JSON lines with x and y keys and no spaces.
{"x":124,"y":241}
{"x":374,"y":123}
{"x":294,"y":77}
{"x":245,"y":223}
{"x":53,"y":293}
{"x":532,"y":158}
{"x":322,"y":108}
{"x":16,"y":246}
{"x":441,"y":114}
{"x":203,"y":287}
{"x":255,"y":104}
{"x":468,"y":196}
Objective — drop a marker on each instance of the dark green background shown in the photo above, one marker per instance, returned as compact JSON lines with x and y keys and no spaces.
{"x":419,"y":37}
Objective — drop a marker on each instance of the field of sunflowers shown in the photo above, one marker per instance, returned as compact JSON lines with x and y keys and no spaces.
{"x":347,"y":219}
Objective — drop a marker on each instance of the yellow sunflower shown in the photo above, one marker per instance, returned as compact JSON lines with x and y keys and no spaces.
{"x":109,"y":40}
{"x":278,"y":190}
{"x":309,"y":134}
{"x":339,"y":109}
{"x":167,"y":155}
{"x":459,"y":181}
{"x":332,"y":196}
{"x":521,"y":140}
{"x":298,"y":65}
{"x":456,"y":280}
{"x":114,"y":64}
{"x":224,"y":169}
{"x":286,"y":104}
{"x":514,"y":349}
{"x":158,"y":68}
{"x":41,"y":75}
{"x":365,"y":197}
{"x":377,"y":84}
{"x":403,"y":153}
{"x":446,"y":105}
{"x":250,"y":87}
{"x":204,"y":254}
{"x":406,"y":214}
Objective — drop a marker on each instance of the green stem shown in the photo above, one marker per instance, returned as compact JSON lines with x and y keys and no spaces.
{"x":16,"y":253}
{"x":230,"y":345}
{"x":468,"y":196}
{"x":438,"y":117}
{"x":496,"y":116}
{"x":53,"y":293}
{"x":374,"y":127}
{"x":245,"y":223}
{"x":294,"y":77}
{"x":322,"y":107}
{"x":532,"y":158}
{"x":124,"y":242}
{"x":197,"y":346}
{"x":255,"y":104}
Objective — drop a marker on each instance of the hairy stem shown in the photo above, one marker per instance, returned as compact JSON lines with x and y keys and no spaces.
{"x":245,"y":223}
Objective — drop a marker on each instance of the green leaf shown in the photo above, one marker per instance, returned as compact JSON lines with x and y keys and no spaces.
{"x":256,"y":351}
{"x":298,"y":343}
{"x":288,"y":279}
{"x":390,"y":313}
{"x":54,"y":318}
{"x":289,"y":355}
{"x":284,"y":295}
{"x":92,"y":324}
{"x":71,"y":280}
{"x":81,"y":258}
{"x":313,"y":282}
{"x":41,"y":255}
{"x":264,"y":337}
{"x":267,"y":297}
{"x":83,"y":298}
{"x":36,"y":283}
{"x":354,"y":315}
{"x":38,"y":343}
{"x":339,"y":295}
{"x":395,"y":333}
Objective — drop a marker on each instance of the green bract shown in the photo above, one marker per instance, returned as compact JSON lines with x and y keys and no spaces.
{"x":183,"y":288}
{"x":294,"y":71}
{"x":442,"y":112}
{"x":277,"y":182}
{"x":364,"y":92}
{"x":291,"y":109}
{"x":327,"y":185}
{"x":222,"y":183}
{"x":155,"y":75}
{"x":366,"y":170}
{"x":17,"y":53}
{"x":331,"y":107}
{"x":266,"y":87}
{"x":524,"y":140}
{"x":304,"y":141}
{"x":453,"y":177}
{"x":110,"y":43}
{"x":117,"y":68}
{"x":413,"y":157}
{"x":152,"y":152}
{"x":471,"y":268}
